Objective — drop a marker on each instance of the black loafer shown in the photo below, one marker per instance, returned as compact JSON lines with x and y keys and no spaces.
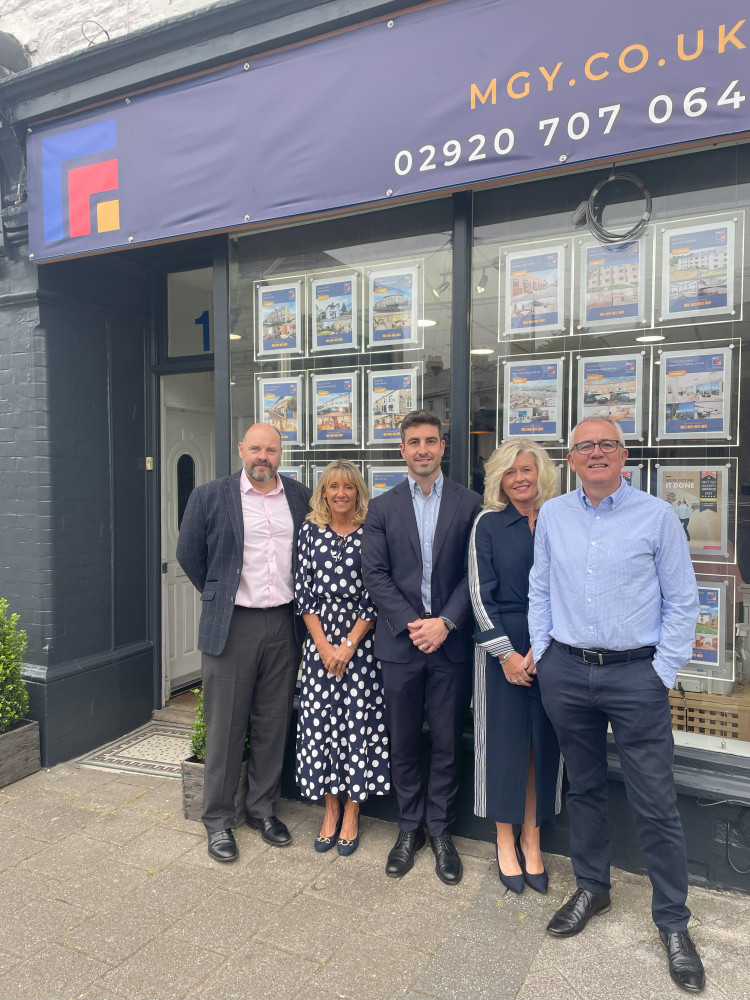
{"x":685,"y":966}
{"x":573,"y":916}
{"x":447,"y":862}
{"x":222,"y":846}
{"x":272,"y":830}
{"x":401,"y":857}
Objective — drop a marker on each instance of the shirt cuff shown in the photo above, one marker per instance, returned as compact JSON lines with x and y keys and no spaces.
{"x":495,"y":647}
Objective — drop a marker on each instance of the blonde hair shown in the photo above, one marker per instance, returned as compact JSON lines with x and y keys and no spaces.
{"x":320,"y":512}
{"x":502,"y":458}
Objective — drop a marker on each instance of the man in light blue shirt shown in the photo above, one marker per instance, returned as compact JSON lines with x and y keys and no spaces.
{"x":613,"y":605}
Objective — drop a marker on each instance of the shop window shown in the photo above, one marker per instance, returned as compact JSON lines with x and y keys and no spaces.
{"x":338,"y":329}
{"x":190,"y":312}
{"x":651,"y":333}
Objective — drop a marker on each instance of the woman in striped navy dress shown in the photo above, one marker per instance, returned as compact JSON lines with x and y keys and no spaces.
{"x":518,"y":769}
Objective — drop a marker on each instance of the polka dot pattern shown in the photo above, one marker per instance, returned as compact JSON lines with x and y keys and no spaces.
{"x":342,"y":742}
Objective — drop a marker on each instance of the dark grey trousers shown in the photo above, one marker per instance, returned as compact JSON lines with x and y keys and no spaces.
{"x":253,"y":679}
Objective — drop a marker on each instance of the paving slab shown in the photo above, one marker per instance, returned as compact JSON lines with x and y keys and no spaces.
{"x":165,"y":969}
{"x":258,"y":972}
{"x":108,"y":893}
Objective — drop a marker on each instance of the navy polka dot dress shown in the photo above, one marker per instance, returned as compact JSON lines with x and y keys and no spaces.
{"x":342,"y":741}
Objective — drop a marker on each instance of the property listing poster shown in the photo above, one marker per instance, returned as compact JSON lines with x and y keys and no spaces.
{"x":394,"y":301}
{"x":384,"y":478}
{"x":390,"y":396}
{"x":294,"y":472}
{"x":279,"y":319}
{"x":632,"y":476}
{"x":612,"y":386}
{"x":534,"y":291}
{"x":698,"y":271}
{"x":334,"y":408}
{"x":699,"y":497}
{"x":334,"y":304}
{"x":708,"y":640}
{"x":280,"y":406}
{"x":694,"y":393}
{"x":612,"y":285}
{"x":532,"y":399}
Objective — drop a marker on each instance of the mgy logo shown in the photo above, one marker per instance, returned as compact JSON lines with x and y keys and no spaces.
{"x":74,"y":177}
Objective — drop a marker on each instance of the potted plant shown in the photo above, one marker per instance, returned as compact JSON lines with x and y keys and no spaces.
{"x":19,"y":737}
{"x":192,"y":771}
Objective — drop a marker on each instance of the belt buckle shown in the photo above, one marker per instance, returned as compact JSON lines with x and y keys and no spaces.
{"x":593,"y":652}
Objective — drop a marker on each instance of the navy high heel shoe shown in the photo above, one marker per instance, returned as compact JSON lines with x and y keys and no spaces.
{"x":513,"y":882}
{"x":323,"y":844}
{"x":347,"y":847}
{"x":540,"y":882}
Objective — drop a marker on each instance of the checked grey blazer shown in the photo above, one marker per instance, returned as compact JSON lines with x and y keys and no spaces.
{"x":210,"y":546}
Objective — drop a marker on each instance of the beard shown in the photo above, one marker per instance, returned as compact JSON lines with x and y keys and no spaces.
{"x":261,"y":473}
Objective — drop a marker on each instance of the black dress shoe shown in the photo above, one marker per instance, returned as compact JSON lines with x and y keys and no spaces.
{"x":573,"y":916}
{"x":685,"y":966}
{"x":447,"y":862}
{"x":272,"y":830}
{"x":222,"y":846}
{"x":401,"y":857}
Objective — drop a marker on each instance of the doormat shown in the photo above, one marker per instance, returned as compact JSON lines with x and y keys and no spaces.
{"x":155,"y":748}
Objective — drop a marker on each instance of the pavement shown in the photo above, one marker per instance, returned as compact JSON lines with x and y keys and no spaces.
{"x":107,"y":893}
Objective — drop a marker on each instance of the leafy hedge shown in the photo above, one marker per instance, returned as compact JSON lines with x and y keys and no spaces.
{"x":14,"y":699}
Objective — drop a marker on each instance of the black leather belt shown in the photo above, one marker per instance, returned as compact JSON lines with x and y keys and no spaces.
{"x":600,"y":657}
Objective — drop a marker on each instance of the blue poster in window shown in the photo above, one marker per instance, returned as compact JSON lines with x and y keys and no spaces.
{"x":611,"y":387}
{"x":534,"y":290}
{"x":706,"y":639}
{"x":613,"y":286}
{"x":279,"y":319}
{"x":695,"y":393}
{"x":393,"y":307}
{"x":334,"y":314}
{"x":280,"y":407}
{"x":698,"y":271}
{"x":382,"y":480}
{"x":391,"y":397}
{"x":532,"y":399}
{"x":334,"y":407}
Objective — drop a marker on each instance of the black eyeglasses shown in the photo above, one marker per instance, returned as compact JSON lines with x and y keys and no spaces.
{"x":606,"y":446}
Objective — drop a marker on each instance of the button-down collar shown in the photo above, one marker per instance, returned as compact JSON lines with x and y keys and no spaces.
{"x":612,"y":502}
{"x":437,"y":486}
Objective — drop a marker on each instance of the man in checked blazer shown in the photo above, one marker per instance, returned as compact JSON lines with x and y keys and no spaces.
{"x":238,"y":547}
{"x":414,"y":566}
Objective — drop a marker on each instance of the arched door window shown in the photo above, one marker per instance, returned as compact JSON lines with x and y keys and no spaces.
{"x":185,"y":484}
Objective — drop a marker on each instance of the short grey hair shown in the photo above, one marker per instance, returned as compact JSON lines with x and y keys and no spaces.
{"x":598,"y":420}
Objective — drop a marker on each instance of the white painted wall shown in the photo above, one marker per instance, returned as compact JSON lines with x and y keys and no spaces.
{"x":49,"y":29}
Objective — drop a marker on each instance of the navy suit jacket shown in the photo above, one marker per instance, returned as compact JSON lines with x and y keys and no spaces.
{"x":210,"y":549}
{"x":392,"y":569}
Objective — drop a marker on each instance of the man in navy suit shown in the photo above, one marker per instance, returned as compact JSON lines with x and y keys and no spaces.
{"x":414,"y":568}
{"x":238,"y":546}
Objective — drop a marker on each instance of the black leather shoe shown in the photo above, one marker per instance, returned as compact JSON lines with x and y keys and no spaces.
{"x":272,"y":830}
{"x":573,"y":916}
{"x":222,"y":846}
{"x":685,"y":966}
{"x":401,"y":857}
{"x":447,"y":862}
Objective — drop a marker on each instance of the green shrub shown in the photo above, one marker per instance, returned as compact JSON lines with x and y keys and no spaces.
{"x":14,"y":699}
{"x":198,"y":730}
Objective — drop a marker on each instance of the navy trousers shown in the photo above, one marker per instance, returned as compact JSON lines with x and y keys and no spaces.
{"x":580,"y":700}
{"x":441,"y":690}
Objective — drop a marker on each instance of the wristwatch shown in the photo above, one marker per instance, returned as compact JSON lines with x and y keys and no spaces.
{"x":448,"y":624}
{"x":505,"y":656}
{"x":350,"y":644}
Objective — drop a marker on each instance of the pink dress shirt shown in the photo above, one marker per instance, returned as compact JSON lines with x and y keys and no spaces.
{"x":266,"y":579}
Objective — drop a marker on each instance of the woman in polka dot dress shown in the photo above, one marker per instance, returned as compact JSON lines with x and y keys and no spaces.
{"x":342,"y":741}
